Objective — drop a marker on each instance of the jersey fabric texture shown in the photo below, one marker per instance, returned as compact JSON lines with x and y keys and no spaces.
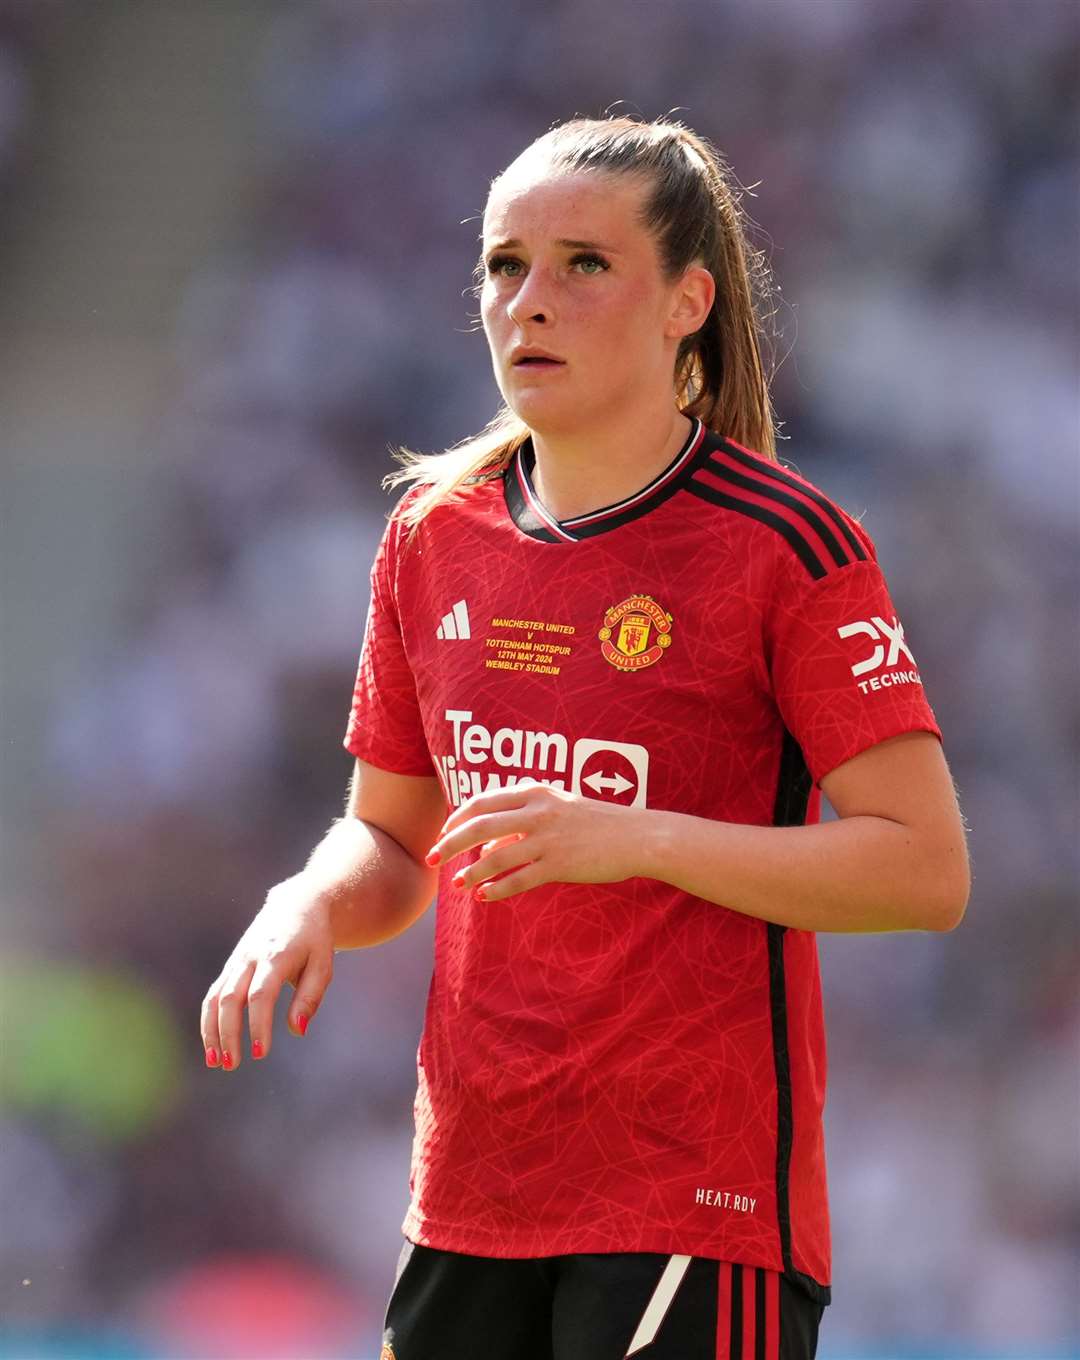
{"x":623,"y":1067}
{"x":594,"y":1306}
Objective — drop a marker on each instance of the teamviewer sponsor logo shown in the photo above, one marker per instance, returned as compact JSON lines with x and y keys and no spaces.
{"x":616,"y":771}
{"x":881,"y":633}
{"x":455,"y":625}
{"x":611,"y":771}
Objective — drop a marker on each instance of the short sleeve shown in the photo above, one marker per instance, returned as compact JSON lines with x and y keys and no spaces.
{"x":385,"y":726}
{"x":843,"y":671}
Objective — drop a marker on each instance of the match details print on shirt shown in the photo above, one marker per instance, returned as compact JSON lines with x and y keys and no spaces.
{"x":535,"y":646}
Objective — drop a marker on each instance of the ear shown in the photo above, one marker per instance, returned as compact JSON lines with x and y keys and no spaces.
{"x":691,"y":301}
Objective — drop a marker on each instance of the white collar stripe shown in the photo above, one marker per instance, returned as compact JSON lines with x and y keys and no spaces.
{"x":654,"y":485}
{"x":538,"y":508}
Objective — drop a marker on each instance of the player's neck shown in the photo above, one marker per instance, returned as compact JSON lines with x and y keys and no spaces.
{"x":575,"y":474}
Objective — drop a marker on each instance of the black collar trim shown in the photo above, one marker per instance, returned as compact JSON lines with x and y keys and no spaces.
{"x":532,"y":518}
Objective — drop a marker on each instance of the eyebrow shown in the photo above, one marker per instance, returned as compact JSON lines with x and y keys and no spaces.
{"x":562,"y":241}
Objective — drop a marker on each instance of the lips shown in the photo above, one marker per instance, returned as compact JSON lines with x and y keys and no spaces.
{"x":535,"y":358}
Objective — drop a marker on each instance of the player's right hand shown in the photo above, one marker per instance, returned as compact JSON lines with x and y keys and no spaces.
{"x":288,"y":941}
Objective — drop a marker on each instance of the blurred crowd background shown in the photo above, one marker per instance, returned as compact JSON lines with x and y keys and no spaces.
{"x":235,"y":242}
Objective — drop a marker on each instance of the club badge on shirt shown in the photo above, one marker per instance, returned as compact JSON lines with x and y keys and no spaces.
{"x":627,"y":637}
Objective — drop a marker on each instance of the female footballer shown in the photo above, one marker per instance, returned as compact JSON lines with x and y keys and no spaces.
{"x":615,"y":651}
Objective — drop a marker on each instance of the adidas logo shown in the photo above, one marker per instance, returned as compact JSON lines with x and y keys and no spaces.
{"x":455,"y":624}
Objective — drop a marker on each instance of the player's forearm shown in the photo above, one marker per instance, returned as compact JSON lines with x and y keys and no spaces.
{"x":859,"y":873}
{"x":374,"y":889}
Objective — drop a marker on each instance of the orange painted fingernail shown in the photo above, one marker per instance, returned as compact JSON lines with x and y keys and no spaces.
{"x":432,"y":857}
{"x":481,"y":893}
{"x":226,"y":1059}
{"x":211,"y":1057}
{"x":302,"y":1023}
{"x":256,"y":1048}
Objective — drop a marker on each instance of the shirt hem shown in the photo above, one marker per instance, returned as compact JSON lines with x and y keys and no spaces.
{"x":429,"y":1234}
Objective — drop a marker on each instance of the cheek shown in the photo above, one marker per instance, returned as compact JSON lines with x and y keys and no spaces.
{"x":493,"y":325}
{"x":639,"y":310}
{"x":626,"y":324}
{"x":491,"y":305}
{"x":486,"y":312}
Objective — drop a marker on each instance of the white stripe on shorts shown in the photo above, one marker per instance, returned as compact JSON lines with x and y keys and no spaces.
{"x":658,"y":1305}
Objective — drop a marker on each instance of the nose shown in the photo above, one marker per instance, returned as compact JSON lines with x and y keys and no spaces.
{"x":532,"y":300}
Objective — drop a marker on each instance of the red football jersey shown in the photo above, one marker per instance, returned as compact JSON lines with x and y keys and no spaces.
{"x":622,"y":1066}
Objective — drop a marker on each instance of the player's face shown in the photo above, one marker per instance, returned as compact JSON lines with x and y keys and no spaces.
{"x":569,"y":269}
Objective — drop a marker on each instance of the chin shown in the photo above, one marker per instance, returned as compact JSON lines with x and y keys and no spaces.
{"x":543,"y":415}
{"x":564,"y":415}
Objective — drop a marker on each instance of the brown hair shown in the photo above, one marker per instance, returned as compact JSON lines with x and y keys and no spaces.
{"x":694,"y":213}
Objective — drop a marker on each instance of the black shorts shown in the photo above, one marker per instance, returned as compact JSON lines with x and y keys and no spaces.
{"x":604,"y":1306}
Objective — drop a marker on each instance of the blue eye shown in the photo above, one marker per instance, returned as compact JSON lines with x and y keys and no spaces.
{"x":497,"y":263}
{"x":590,"y":258}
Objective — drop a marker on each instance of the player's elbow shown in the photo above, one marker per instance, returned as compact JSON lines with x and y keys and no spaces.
{"x":949,"y":911}
{"x":948,"y":887}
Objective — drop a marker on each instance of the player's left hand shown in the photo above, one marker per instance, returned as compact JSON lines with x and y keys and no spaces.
{"x":532,"y":833}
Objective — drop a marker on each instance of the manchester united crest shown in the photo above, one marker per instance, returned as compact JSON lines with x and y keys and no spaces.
{"x":636,"y":633}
